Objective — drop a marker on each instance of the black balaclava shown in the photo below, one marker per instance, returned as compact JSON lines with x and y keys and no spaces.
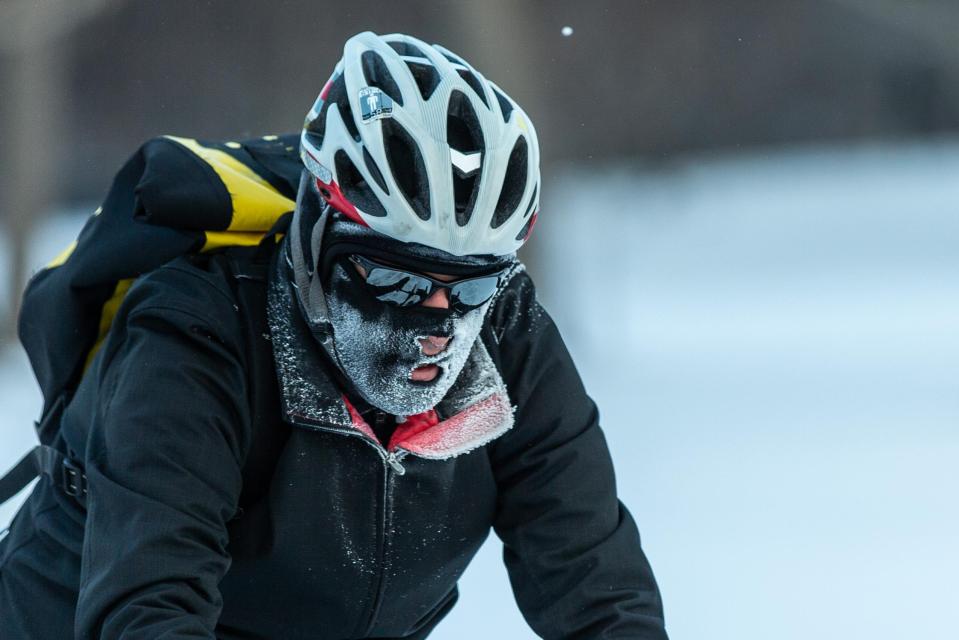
{"x":376,"y":345}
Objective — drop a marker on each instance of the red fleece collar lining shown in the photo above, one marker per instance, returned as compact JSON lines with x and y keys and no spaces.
{"x":426,"y":435}
{"x":405,"y":431}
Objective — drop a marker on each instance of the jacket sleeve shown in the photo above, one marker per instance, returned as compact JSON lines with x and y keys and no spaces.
{"x":571,"y":547}
{"x":168,"y":432}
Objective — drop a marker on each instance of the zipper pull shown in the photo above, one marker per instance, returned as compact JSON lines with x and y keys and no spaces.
{"x":395,"y":463}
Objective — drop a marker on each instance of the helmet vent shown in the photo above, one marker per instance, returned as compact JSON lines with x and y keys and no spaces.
{"x":317,"y":126}
{"x":377,"y":75}
{"x":464,"y":134}
{"x":426,"y":76}
{"x":532,"y":201}
{"x":521,"y":236}
{"x":374,"y":171}
{"x":355,"y":187}
{"x":337,"y":96}
{"x":463,"y":131}
{"x":514,"y":183}
{"x":504,"y":104}
{"x":406,"y":49}
{"x":464,"y":192}
{"x":407,"y":166}
{"x":470,"y":78}
{"x":449,"y":56}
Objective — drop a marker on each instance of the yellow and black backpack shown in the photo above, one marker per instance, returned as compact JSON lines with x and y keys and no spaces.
{"x":174,"y":196}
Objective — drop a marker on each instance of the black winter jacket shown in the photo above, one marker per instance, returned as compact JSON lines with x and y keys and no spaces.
{"x":232,"y":494}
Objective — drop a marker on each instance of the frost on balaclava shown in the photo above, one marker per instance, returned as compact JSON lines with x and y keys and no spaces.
{"x":374,"y":344}
{"x":378,"y":345}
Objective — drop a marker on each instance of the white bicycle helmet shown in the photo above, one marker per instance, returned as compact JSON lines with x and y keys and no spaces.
{"x":408,"y":139}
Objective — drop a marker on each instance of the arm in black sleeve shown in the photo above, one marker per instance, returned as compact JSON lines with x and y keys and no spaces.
{"x":168,"y":433}
{"x":571,"y":548}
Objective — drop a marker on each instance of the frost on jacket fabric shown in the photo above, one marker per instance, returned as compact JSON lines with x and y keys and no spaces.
{"x":233,"y":495}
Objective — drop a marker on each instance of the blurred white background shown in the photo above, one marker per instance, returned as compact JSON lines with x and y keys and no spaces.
{"x":772,"y":339}
{"x":748,"y":238}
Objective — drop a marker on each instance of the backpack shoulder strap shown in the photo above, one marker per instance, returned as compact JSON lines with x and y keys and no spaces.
{"x":249,"y":271}
{"x":46,"y":460}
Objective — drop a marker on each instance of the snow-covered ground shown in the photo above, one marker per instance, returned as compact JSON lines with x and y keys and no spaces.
{"x":772,"y":340}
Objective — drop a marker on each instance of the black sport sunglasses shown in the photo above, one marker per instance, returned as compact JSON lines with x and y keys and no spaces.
{"x":405,"y":289}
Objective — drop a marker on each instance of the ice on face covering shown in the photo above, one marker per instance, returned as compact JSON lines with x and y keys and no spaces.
{"x":378,"y":345}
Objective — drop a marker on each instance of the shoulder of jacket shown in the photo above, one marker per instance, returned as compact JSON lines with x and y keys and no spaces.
{"x":196,"y":287}
{"x":516,"y":308}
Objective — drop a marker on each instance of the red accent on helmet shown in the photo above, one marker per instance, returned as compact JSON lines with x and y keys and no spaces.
{"x":326,"y":87}
{"x":332,"y":194}
{"x":532,"y":223}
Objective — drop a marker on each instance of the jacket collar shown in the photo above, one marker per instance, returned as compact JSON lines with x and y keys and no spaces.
{"x":474,"y":412}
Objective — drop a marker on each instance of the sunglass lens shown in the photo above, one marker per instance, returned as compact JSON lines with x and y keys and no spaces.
{"x":397,"y":287}
{"x":473,"y":293}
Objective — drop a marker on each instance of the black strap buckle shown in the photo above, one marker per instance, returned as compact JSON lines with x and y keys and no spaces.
{"x":73,"y":479}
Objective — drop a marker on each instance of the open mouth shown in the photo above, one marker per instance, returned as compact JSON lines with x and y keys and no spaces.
{"x":433,"y":345}
{"x":424,"y":374}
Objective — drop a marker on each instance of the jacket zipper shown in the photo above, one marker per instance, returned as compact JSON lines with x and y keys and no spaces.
{"x":386,"y":517}
{"x":392,"y":458}
{"x":392,"y":463}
